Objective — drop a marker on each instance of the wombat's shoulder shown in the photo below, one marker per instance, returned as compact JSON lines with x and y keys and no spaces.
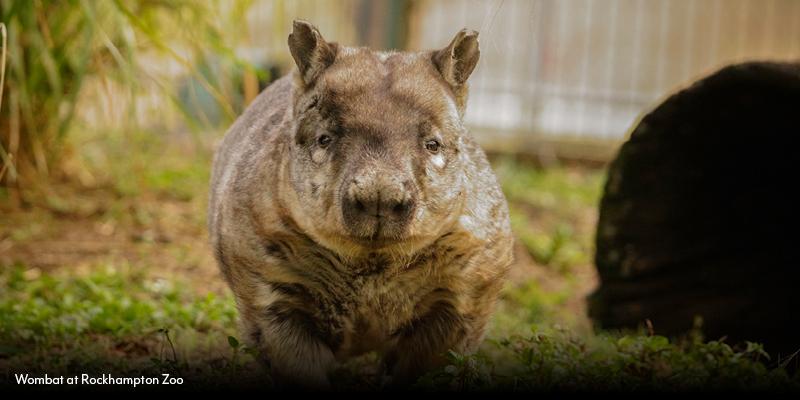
{"x":243,"y":154}
{"x":259,"y":122}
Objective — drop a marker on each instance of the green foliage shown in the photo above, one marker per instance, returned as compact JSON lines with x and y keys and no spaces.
{"x":41,"y":312}
{"x":465,"y":373}
{"x":181,"y":369}
{"x":233,"y":366}
{"x":523,"y":305}
{"x":545,"y":362}
{"x":55,"y":47}
{"x":47,"y":310}
{"x":556,"y":189}
{"x":159,"y":366}
{"x":47,"y":65}
{"x":550,"y":210}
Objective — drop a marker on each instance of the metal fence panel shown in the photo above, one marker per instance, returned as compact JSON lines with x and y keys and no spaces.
{"x":585,"y":69}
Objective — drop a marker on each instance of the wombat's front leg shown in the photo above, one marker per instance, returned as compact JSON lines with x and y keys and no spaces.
{"x":422,"y":342}
{"x":288,"y":347}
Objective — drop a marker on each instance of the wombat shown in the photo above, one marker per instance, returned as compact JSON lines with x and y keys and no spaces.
{"x":351,"y":211}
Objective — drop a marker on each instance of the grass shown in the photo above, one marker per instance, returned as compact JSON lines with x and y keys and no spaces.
{"x":553,"y":211}
{"x":561,"y":362}
{"x":54,"y":308}
{"x":151,"y":302}
{"x":104,"y":320}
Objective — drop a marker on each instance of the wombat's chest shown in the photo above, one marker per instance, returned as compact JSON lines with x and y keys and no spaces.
{"x":384,"y":291}
{"x":370,"y":305}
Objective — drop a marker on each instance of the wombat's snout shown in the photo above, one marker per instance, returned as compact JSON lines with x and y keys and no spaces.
{"x":378,"y":204}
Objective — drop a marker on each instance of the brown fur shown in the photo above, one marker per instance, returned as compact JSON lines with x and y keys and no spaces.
{"x":369,"y":241}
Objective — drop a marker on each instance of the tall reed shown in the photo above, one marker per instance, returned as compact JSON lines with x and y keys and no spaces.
{"x":55,"y":47}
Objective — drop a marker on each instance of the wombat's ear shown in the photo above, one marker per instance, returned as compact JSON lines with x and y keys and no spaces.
{"x":457,"y":61}
{"x":310,"y":51}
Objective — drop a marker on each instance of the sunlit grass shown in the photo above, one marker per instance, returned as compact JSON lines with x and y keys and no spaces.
{"x":45,"y":309}
{"x":553,"y":211}
{"x":108,"y":320}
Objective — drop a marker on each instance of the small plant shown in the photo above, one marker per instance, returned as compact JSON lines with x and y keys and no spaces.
{"x":172,"y":367}
{"x":466,"y":373}
{"x":232,"y":366}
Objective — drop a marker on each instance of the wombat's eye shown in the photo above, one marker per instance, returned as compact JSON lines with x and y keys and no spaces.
{"x":324,"y":140}
{"x":432,"y":146}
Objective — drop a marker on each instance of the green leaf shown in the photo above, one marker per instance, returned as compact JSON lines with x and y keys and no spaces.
{"x":527,"y":356}
{"x":251,"y":351}
{"x":454,"y":357}
{"x":495,"y":343}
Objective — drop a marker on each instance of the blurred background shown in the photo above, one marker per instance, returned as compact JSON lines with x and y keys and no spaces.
{"x":556,"y":78}
{"x":111,"y":111}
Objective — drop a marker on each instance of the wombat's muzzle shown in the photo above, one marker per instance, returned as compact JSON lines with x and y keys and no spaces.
{"x":378,"y":205}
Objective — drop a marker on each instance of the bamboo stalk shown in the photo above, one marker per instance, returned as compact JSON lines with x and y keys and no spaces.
{"x":8,"y":158}
{"x":3,"y":63}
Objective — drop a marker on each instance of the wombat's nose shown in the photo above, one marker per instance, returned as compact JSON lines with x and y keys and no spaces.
{"x":375,"y":200}
{"x":387,"y":207}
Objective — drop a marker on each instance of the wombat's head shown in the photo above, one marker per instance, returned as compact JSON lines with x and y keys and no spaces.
{"x":378,"y":159}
